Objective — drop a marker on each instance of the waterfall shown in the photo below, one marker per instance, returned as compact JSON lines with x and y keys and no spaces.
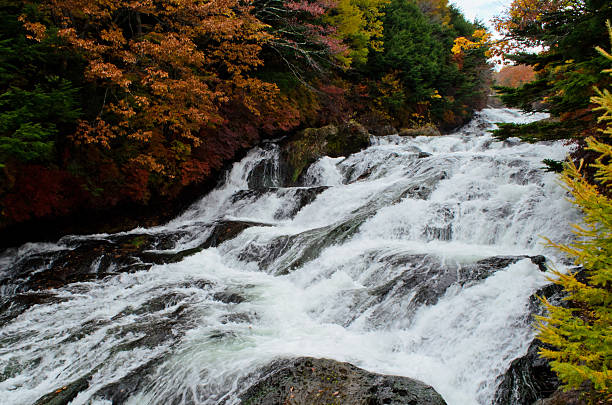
{"x":411,"y":257}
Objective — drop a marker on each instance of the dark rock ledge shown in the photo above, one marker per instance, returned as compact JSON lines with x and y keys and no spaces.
{"x":529,"y":380}
{"x":308,"y":381}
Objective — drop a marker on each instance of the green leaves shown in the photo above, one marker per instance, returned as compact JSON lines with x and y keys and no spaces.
{"x":29,"y":119}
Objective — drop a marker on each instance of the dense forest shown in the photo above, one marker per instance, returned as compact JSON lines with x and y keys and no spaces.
{"x":128,"y":104}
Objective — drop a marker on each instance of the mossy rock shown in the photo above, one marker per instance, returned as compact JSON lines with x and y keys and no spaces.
{"x":305,"y":147}
{"x":307,"y":381}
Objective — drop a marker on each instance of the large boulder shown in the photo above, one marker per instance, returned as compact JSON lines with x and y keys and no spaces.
{"x":307,"y":381}
{"x":305,"y":147}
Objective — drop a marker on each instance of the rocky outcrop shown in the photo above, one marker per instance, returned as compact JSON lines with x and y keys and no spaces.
{"x":86,"y":259}
{"x":529,"y":379}
{"x":305,"y":147}
{"x":307,"y":381}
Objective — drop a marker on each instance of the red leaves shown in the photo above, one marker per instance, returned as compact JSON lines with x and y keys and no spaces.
{"x":194,"y":171}
{"x":39,"y":191}
{"x":311,"y":8}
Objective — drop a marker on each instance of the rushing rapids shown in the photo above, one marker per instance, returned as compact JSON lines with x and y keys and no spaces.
{"x":414,"y":257}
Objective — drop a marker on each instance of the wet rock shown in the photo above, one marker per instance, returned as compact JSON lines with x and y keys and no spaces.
{"x":529,"y":378}
{"x":228,"y":297}
{"x":167,"y":257}
{"x":222,"y":231}
{"x":422,"y":190}
{"x":63,"y":395}
{"x":91,"y":259}
{"x":383,"y":130}
{"x":539,"y":261}
{"x":504,"y":261}
{"x":432,"y":278}
{"x":240,"y":317}
{"x":282,"y":255}
{"x":422,"y":279}
{"x":251,"y":194}
{"x":297,"y":197}
{"x":265,"y":174}
{"x":226,"y":230}
{"x":19,"y":303}
{"x":304,"y":148}
{"x":310,"y":381}
{"x":80,"y":260}
{"x":301,"y":198}
{"x":117,"y":392}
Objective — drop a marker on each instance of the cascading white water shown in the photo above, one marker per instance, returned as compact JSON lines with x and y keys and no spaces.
{"x":380,"y":266}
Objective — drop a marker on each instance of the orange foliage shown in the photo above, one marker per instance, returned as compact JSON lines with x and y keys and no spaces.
{"x":162,"y":66}
{"x":173,"y":98}
{"x":514,"y":75}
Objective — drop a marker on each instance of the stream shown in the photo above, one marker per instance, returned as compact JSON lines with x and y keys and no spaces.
{"x":414,"y":257}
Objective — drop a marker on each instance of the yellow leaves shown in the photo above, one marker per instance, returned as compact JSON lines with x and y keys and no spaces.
{"x":481,"y":34}
{"x":122,"y":109}
{"x":461,"y":43}
{"x":391,"y":80}
{"x":358,"y":25}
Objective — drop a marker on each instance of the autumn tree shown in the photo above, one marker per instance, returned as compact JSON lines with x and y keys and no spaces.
{"x":514,"y":75}
{"x":359,"y":26}
{"x":161,"y":72}
{"x":126,"y":100}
